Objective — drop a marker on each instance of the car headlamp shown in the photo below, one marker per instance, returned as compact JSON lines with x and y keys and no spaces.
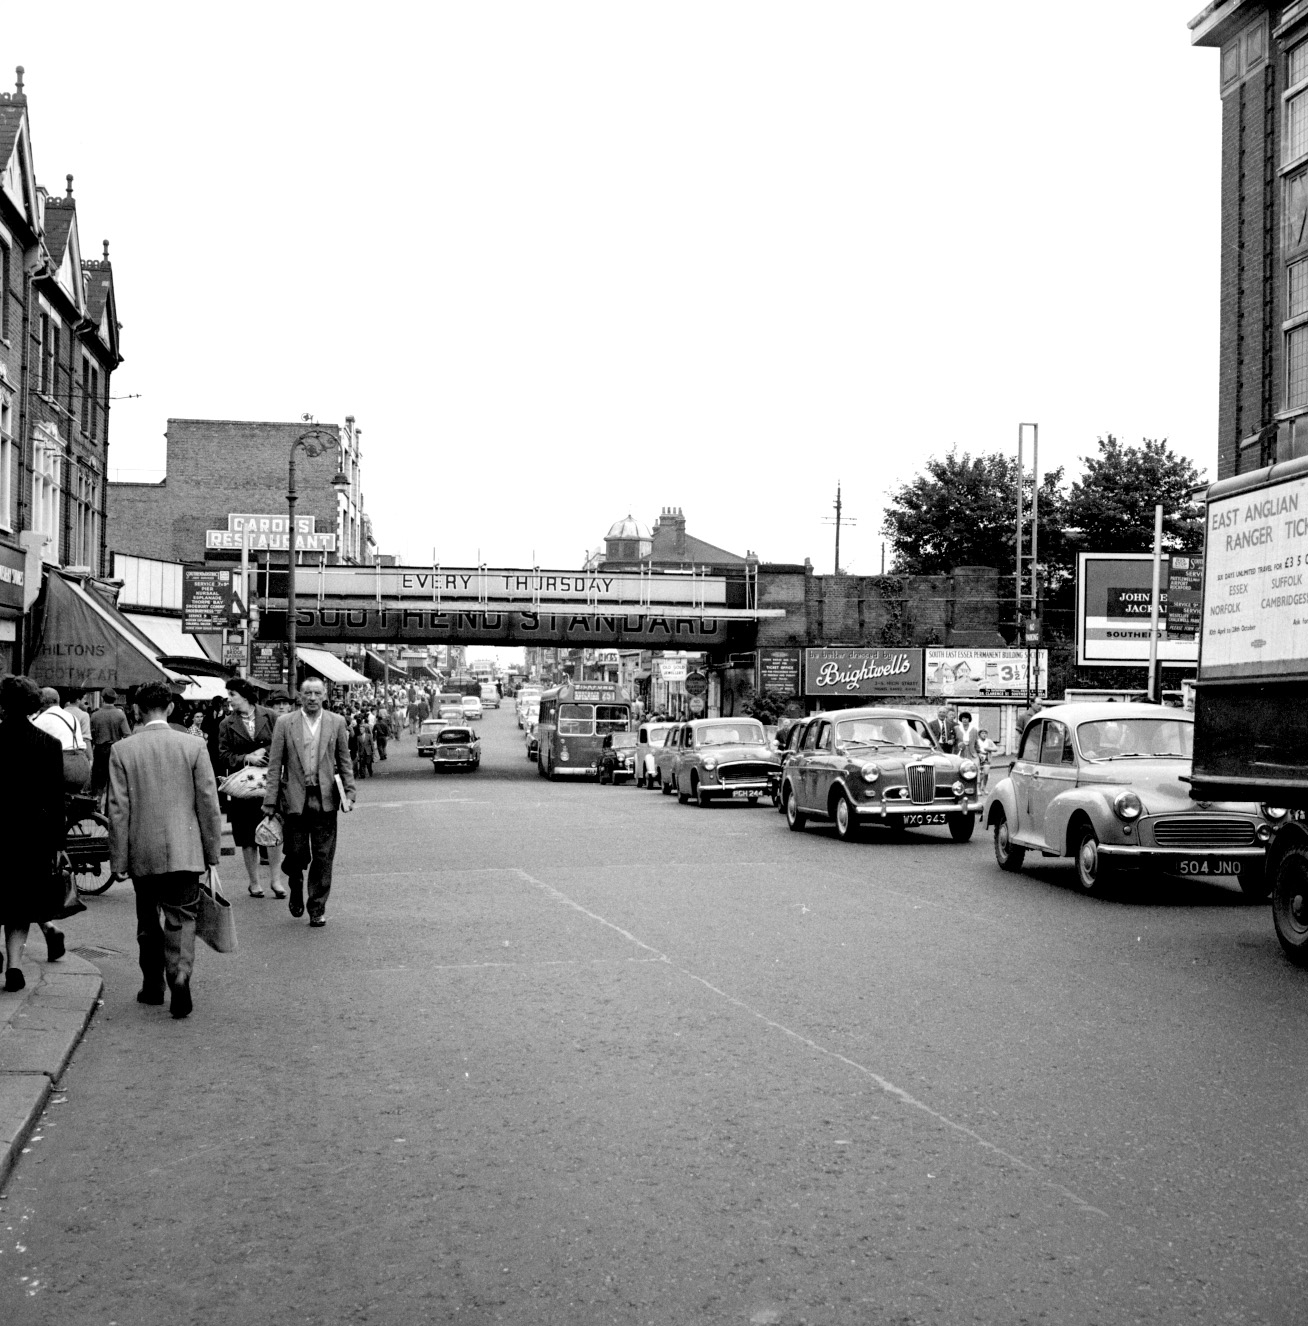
{"x":1275,"y":813}
{"x":1127,"y":806}
{"x":709,"y":764}
{"x":1263,"y":833}
{"x":871,"y":772}
{"x":967,"y":770}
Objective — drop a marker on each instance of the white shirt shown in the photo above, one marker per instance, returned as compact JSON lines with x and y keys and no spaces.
{"x":62,"y":726}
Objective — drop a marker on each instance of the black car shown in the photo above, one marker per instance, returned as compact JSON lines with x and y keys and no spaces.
{"x":617,"y":761}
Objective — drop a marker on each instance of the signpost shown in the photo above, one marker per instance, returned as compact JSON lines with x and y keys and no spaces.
{"x":778,"y":672}
{"x":696,"y":684}
{"x":210,"y":600}
{"x":1185,"y":596}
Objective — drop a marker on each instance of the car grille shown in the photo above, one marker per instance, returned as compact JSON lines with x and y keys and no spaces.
{"x":921,"y":782}
{"x":745,"y":772}
{"x":1202,"y":831}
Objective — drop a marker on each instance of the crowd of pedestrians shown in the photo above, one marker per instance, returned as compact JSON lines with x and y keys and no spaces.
{"x":166,"y":773}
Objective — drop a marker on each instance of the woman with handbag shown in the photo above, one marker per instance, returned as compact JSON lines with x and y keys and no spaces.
{"x":244,"y":739}
{"x":31,"y":821}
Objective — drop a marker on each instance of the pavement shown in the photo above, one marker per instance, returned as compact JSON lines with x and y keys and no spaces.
{"x":40,"y":1027}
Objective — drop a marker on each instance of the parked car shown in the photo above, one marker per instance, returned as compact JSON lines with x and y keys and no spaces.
{"x":617,"y":760}
{"x":526,"y":697}
{"x":877,"y":766}
{"x":718,"y":759}
{"x":788,"y":743}
{"x":533,"y":743}
{"x":1102,"y":783}
{"x":649,"y":737}
{"x":471,"y":707}
{"x":490,"y":697}
{"x":457,"y":748}
{"x":428,"y":730}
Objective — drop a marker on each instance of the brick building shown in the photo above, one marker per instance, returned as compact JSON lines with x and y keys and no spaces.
{"x":668,"y":546}
{"x":217,"y":468}
{"x":1263,"y":363}
{"x":58,"y":350}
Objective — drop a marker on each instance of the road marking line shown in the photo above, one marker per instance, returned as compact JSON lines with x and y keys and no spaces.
{"x":882,"y":1083}
{"x":543,"y":962}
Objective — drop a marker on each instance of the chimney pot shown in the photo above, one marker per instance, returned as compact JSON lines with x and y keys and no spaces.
{"x":69,"y":192}
{"x":20,"y":80}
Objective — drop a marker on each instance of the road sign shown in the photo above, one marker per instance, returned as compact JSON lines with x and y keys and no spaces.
{"x":210,"y":600}
{"x":696,"y":684}
{"x":697,"y":705}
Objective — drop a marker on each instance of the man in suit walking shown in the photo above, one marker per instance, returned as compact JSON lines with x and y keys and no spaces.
{"x":944,"y":729}
{"x":165,"y":829}
{"x":310,"y":779}
{"x":108,"y":725}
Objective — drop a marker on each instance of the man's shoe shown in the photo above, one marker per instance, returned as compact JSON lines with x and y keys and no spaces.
{"x":148,"y":996}
{"x":55,"y":947}
{"x":14,"y":980}
{"x":181,"y":1004}
{"x":317,"y":920}
{"x":296,"y":904}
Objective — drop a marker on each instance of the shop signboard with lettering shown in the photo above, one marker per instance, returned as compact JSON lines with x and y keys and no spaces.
{"x":210,"y":600}
{"x":985,"y":673}
{"x":671,"y":669}
{"x":1185,"y":596}
{"x":1113,"y":593}
{"x":13,"y":562}
{"x":854,"y":672}
{"x":778,"y":672}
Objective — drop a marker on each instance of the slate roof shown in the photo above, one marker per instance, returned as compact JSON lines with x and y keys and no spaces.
{"x":58,"y":222}
{"x":699,"y":551}
{"x":11,"y":118}
{"x":97,"y":282}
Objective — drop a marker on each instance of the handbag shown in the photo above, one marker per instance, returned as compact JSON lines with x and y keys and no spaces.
{"x":63,"y":885}
{"x":214,"y":922}
{"x":269,"y":832}
{"x":246,"y":783}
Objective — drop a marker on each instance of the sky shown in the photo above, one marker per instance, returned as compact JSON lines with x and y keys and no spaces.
{"x":565,"y":261}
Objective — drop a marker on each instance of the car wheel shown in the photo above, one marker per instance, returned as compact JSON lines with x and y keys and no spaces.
{"x":795,"y":818}
{"x":846,"y":821}
{"x":1290,"y":904}
{"x":664,"y":787}
{"x":1009,"y":857}
{"x":961,"y":826}
{"x":697,"y":793}
{"x":683,"y":798}
{"x":751,"y":802}
{"x":1092,"y":869}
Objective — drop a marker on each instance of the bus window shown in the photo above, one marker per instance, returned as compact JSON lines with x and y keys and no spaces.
{"x":611,"y":718}
{"x":576,"y":720}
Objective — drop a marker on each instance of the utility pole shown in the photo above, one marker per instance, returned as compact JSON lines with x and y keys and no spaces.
{"x":1019,"y":555}
{"x":840,"y":519}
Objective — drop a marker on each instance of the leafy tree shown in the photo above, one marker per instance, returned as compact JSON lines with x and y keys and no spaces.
{"x":1111,"y":507}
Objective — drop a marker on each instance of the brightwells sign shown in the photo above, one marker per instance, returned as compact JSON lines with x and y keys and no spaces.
{"x":863,"y":672}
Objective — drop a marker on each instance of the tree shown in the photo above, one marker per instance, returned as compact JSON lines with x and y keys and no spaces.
{"x":1111,"y":507}
{"x":962,"y":512}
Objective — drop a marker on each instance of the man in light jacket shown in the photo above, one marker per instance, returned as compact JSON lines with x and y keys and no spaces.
{"x":310,"y":778}
{"x":165,"y":829}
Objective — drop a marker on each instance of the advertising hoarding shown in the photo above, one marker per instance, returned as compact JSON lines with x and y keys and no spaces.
{"x":1185,"y":596}
{"x":983,"y":673}
{"x":1113,"y":611}
{"x":778,"y":672}
{"x":854,"y":671}
{"x":1255,"y":611}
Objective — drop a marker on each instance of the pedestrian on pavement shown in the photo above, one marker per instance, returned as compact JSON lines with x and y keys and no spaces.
{"x":245,"y":738}
{"x":74,"y":705}
{"x":943,"y":729}
{"x":310,"y":753}
{"x":108,"y":725}
{"x":31,"y":822}
{"x":280,"y":703}
{"x":966,"y":736}
{"x":381,"y":734}
{"x":985,"y":749}
{"x":165,"y":830}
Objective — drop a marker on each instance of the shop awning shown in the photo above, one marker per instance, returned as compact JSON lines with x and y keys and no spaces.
{"x":206,"y":688}
{"x":330,"y":668}
{"x":167,"y":633}
{"x":375,"y":666}
{"x":86,"y":644}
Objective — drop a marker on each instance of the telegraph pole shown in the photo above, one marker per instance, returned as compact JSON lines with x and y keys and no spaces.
{"x":840,"y":519}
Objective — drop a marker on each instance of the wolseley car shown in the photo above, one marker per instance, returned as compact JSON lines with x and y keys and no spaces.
{"x":1105,"y":785}
{"x":428,"y":730}
{"x":456,"y":748}
{"x":718,"y":759}
{"x":649,"y":737}
{"x":877,"y":766}
{"x":617,"y":760}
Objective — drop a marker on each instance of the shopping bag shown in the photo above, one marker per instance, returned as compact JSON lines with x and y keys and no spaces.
{"x":214,"y":922}
{"x":246,"y":783}
{"x":269,"y":832}
{"x":63,"y":887}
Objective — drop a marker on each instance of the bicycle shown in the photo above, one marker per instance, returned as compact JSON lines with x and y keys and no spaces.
{"x":86,"y":843}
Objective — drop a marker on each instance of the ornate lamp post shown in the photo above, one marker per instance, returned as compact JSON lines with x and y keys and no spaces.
{"x":315,"y":440}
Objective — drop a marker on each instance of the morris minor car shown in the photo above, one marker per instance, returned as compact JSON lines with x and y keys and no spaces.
{"x":1106,"y":784}
{"x":877,"y":766}
{"x":720,"y":759}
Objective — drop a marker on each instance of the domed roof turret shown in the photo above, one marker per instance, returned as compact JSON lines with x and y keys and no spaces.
{"x":628,"y":528}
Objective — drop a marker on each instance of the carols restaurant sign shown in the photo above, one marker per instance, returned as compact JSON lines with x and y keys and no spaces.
{"x":863,"y":672}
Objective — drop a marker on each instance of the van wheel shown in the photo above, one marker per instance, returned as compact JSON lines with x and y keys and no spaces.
{"x":1290,"y":904}
{"x":795,"y":818}
{"x":1010,"y":858}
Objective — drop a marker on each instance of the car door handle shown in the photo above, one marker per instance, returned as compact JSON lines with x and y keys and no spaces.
{"x":1035,"y":773}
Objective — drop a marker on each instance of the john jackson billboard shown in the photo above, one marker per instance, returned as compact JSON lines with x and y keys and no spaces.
{"x":1113,"y":592}
{"x":852,"y":672}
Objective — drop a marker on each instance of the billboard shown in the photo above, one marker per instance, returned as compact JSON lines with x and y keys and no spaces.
{"x":778,"y":672}
{"x":983,"y":673}
{"x":211,"y":600}
{"x":852,"y":672}
{"x":1112,"y":612}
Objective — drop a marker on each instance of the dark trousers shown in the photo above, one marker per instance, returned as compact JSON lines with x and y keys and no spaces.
{"x":100,"y":768}
{"x":166,"y":906}
{"x":310,"y":840}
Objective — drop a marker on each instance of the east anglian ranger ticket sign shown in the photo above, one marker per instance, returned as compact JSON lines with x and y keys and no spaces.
{"x":1255,"y":618}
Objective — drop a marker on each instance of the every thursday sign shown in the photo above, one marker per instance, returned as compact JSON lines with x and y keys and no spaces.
{"x":1255,"y":599}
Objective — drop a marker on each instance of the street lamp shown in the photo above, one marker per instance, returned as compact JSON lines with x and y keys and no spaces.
{"x":315,"y":440}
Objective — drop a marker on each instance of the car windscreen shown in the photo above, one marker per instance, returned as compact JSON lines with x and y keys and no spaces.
{"x":1136,"y":738}
{"x":880,"y":732}
{"x":731,"y":734}
{"x":454,"y":736}
{"x":576,"y":720}
{"x":623,"y":740}
{"x":432,"y":724}
{"x":656,"y":732}
{"x":611,"y":718}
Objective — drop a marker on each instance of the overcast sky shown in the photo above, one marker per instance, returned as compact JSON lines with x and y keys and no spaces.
{"x":563,"y":261}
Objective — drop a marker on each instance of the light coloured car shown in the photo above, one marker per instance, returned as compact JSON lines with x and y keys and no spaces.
{"x":471,"y":707}
{"x":855,"y":767}
{"x":722,"y":759}
{"x":527,"y":697}
{"x":649,"y":737}
{"x":1104,"y":784}
{"x":428,"y":731}
{"x":490,"y":697}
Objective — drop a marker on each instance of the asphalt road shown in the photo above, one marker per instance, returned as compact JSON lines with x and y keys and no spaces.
{"x":576,"y":1054}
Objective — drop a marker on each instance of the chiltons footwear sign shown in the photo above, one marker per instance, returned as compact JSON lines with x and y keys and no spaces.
{"x":863,"y":672}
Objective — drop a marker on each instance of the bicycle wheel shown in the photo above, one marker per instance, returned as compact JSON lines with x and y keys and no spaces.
{"x":86,"y":844}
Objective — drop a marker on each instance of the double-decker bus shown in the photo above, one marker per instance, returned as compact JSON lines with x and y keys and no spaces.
{"x":574,"y":720}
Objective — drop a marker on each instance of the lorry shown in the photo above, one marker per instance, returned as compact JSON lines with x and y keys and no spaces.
{"x":1251,"y":694}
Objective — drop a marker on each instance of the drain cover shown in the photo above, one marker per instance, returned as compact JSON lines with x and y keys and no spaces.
{"x":97,"y":951}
